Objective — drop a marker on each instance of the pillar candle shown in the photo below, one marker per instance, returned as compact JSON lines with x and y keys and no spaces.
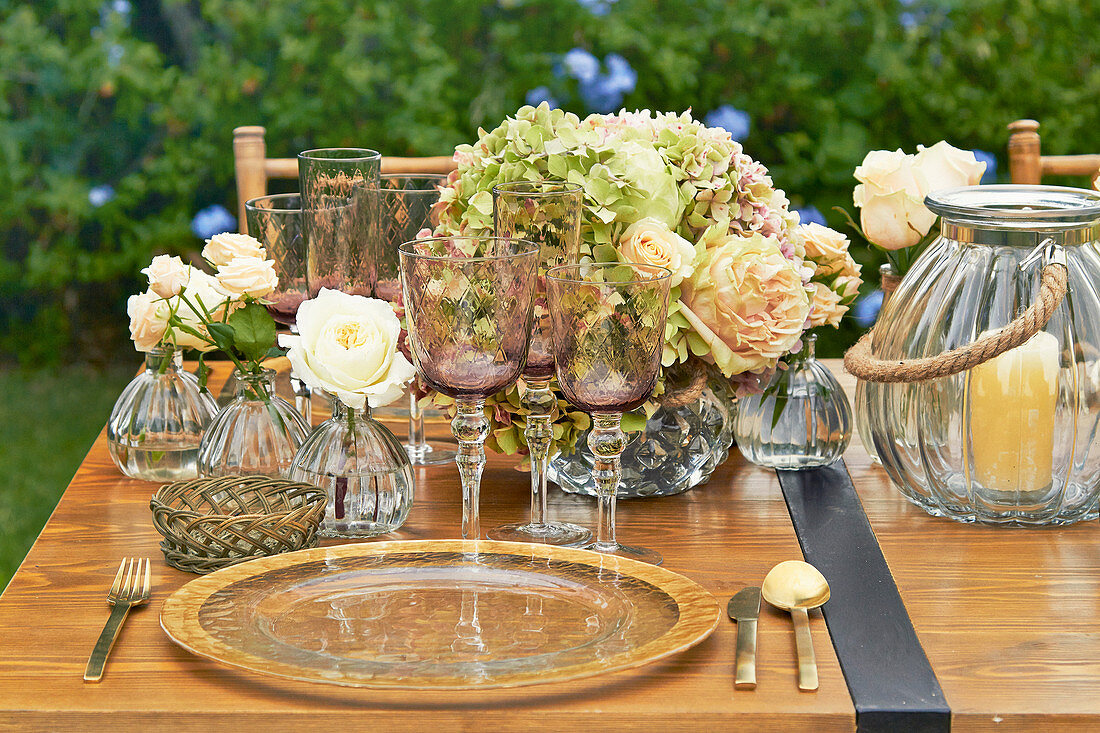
{"x":1012,"y":404}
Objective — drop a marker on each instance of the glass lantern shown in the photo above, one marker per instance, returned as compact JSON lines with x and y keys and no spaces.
{"x":1011,"y":440}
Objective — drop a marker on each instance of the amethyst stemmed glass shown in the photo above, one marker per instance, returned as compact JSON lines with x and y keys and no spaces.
{"x":276,"y":221}
{"x":404,"y":210}
{"x":547,"y":213}
{"x":609,"y":325}
{"x":468,"y":312}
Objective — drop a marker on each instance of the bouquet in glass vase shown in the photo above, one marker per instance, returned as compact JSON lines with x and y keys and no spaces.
{"x":659,"y":189}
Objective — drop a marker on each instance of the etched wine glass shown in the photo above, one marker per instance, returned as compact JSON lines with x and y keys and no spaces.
{"x":276,"y":221}
{"x":404,"y":210}
{"x":609,"y":325}
{"x":339,"y":189}
{"x":468,"y":312}
{"x":547,"y":213}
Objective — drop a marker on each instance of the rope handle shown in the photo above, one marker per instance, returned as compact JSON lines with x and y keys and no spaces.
{"x":1053,"y":285}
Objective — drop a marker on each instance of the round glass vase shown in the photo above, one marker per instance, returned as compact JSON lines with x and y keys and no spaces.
{"x":158,"y":422}
{"x":679,"y":448}
{"x":364,"y":470}
{"x":1013,"y":439}
{"x":257,"y":433}
{"x":800,"y":420}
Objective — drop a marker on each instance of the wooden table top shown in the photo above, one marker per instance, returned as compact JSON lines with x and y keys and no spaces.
{"x":1009,"y":619}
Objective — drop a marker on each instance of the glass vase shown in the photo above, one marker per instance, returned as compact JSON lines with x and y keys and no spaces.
{"x":364,"y":470}
{"x":257,"y":433}
{"x":800,"y":420}
{"x":888,"y":280}
{"x":158,"y":421}
{"x":679,"y":448}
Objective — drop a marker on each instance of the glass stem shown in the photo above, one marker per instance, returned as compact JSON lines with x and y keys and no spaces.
{"x":471,"y":428}
{"x":539,"y":401}
{"x":416,"y":428}
{"x":303,"y":398}
{"x":606,"y":441}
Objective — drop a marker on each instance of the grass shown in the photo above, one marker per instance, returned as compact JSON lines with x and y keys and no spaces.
{"x":48,"y":420}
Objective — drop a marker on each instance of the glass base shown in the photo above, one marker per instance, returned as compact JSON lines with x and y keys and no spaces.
{"x":560,"y":534}
{"x":431,"y":454}
{"x":633,"y":553}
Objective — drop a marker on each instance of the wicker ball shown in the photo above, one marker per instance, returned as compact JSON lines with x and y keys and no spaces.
{"x":212,"y":523}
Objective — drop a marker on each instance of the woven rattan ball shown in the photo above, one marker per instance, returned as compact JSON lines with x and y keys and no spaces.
{"x":212,"y":523}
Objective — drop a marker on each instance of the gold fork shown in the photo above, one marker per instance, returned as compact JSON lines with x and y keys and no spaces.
{"x":125,"y":593}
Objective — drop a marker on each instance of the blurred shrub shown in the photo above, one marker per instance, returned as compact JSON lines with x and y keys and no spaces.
{"x":116,"y":117}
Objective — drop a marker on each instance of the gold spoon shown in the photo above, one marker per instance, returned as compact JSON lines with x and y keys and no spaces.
{"x":797,"y":586}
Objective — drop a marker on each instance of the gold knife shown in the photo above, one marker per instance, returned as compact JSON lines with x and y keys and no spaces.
{"x":744,"y":608}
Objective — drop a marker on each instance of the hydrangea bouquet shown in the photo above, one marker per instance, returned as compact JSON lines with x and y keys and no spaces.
{"x":662,"y":189}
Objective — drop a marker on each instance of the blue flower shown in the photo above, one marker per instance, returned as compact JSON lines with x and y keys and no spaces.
{"x":538,"y":95}
{"x":734,"y":121}
{"x":908,"y":20}
{"x":597,"y":7}
{"x":990,"y":175}
{"x":115,"y":53}
{"x":865,"y":310}
{"x":99,"y":195}
{"x":620,"y":75}
{"x":581,"y":65}
{"x":604,"y":93}
{"x":214,"y":219}
{"x":810,"y":215}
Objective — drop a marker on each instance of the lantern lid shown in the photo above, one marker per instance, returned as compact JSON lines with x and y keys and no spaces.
{"x":1015,"y":204}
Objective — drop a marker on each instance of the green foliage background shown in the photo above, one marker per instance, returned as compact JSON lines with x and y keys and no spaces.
{"x":146,"y":101}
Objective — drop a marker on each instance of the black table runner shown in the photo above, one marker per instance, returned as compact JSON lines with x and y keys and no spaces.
{"x":889,"y":677}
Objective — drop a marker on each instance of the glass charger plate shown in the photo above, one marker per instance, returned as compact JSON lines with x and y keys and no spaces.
{"x":439,"y":614}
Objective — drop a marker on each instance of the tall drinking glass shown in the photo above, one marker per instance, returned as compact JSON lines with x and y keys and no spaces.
{"x":468,"y":310}
{"x":276,"y":221}
{"x":404,"y":210}
{"x":339,"y":188}
{"x":609,"y":325}
{"x":547,"y":213}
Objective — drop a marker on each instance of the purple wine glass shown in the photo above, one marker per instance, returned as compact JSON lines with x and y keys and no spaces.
{"x":609,"y":326}
{"x":547,"y":213}
{"x":468,"y":307}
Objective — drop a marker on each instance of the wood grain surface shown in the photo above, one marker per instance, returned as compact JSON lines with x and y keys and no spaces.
{"x":1010,"y":620}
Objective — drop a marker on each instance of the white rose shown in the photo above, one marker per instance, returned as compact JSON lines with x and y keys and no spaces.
{"x":148,"y":320}
{"x":347,"y":346}
{"x":944,"y":166}
{"x":167,"y":275}
{"x":891,"y":200}
{"x":202,"y":293}
{"x":221,"y":249}
{"x":652,"y":243}
{"x":247,"y":276}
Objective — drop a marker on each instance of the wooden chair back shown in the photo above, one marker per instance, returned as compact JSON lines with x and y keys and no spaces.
{"x":254,"y":169}
{"x":1027,"y":165}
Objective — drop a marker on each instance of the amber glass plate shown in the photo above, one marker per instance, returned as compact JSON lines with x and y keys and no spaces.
{"x":439,"y":614}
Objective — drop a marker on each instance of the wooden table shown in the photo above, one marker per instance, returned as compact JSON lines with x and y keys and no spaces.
{"x":1010,"y":620}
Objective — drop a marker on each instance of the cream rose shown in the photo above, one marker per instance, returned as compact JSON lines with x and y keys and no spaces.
{"x":149,"y":315}
{"x":247,"y":276}
{"x":945,"y":166}
{"x":202,"y":293}
{"x":347,"y":346}
{"x":891,"y":200}
{"x":826,"y":309}
{"x":167,"y":275}
{"x":652,"y":243}
{"x":747,"y":301}
{"x":221,"y":249}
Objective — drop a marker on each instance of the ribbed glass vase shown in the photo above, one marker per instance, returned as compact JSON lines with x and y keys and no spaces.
{"x":802,"y":419}
{"x":257,"y":433}
{"x":157,"y":423}
{"x":364,"y":470}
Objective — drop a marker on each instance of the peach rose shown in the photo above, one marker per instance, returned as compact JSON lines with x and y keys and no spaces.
{"x":247,"y":276}
{"x":652,"y":243}
{"x":827,"y":248}
{"x":221,"y":249}
{"x":747,"y":302}
{"x":167,"y":275}
{"x":826,"y":309}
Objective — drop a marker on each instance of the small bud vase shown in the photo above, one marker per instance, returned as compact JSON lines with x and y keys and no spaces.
{"x":364,"y":470}
{"x":257,"y":433}
{"x":802,"y":418}
{"x":158,"y":421}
